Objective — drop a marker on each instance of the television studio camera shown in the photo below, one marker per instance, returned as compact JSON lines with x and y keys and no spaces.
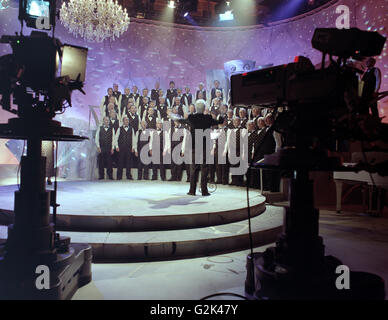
{"x":314,"y":108}
{"x":36,"y":83}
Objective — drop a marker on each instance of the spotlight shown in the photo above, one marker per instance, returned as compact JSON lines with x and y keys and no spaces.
{"x":227,"y":16}
{"x":171,"y":4}
{"x":186,"y":14}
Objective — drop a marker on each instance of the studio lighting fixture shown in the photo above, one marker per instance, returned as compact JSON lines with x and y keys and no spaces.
{"x":186,"y":14}
{"x":4,"y":4}
{"x":171,"y":4}
{"x":94,"y":20}
{"x":227,"y":16}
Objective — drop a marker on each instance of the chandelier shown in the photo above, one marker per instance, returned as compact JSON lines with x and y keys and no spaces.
{"x":94,"y":20}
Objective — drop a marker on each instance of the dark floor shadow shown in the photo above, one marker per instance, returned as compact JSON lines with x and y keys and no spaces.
{"x":176,"y":201}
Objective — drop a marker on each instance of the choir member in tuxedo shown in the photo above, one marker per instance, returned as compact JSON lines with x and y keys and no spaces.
{"x":171,"y":114}
{"x":111,"y":107}
{"x":116,"y":92}
{"x":233,"y":143}
{"x":186,"y":147}
{"x":254,"y":115}
{"x":125,"y":142}
{"x":262,"y":129}
{"x":150,"y":118}
{"x":201,"y":90}
{"x":253,"y":139}
{"x":243,"y":118}
{"x":215,"y":106}
{"x":176,"y":169}
{"x":236,"y":111}
{"x":229,"y":119}
{"x":124,"y":100}
{"x":179,"y":106}
{"x":115,"y":123}
{"x":222,"y":112}
{"x":144,"y":97}
{"x":105,"y":142}
{"x":105,"y":102}
{"x":200,"y":96}
{"x":171,"y":94}
{"x":136,"y":96}
{"x":158,"y":143}
{"x":213,"y":92}
{"x":142,"y":110}
{"x":133,"y":117}
{"x":372,"y":82}
{"x":191,"y":109}
{"x":187,"y":97}
{"x":199,"y":121}
{"x":213,"y":166}
{"x":160,"y":95}
{"x":179,"y":93}
{"x":114,"y":120}
{"x":162,"y":108}
{"x":144,"y":140}
{"x":222,"y":169}
{"x":155,"y":92}
{"x":217,"y":100}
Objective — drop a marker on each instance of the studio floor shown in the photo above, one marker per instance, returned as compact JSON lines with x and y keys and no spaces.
{"x":360,"y":241}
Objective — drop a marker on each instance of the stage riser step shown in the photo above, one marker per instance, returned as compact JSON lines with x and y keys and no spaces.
{"x":179,"y":244}
{"x":180,"y":250}
{"x":139,"y":223}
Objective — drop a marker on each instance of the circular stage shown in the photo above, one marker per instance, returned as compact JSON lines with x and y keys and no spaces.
{"x":150,"y":220}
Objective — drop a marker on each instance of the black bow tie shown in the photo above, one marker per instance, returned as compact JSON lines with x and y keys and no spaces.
{"x":126,"y":127}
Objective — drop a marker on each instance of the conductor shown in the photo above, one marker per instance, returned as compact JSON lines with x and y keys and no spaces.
{"x":199,"y":121}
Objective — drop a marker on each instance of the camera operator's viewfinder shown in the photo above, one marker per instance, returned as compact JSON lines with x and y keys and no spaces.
{"x":38,"y":8}
{"x":74,"y":62}
{"x":38,"y":14}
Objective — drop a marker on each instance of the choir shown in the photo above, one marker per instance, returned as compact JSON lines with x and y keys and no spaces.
{"x":125,"y":118}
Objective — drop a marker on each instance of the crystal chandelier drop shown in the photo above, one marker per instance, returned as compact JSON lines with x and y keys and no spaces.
{"x":94,"y":20}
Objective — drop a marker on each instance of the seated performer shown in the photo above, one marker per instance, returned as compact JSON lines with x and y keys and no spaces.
{"x":105,"y":141}
{"x":199,"y":121}
{"x":125,"y":142}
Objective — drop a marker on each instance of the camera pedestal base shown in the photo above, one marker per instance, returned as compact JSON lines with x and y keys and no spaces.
{"x":21,"y":278}
{"x":297,"y":267}
{"x":35,"y":262}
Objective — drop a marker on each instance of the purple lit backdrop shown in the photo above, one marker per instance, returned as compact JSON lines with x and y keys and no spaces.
{"x":151,"y":51}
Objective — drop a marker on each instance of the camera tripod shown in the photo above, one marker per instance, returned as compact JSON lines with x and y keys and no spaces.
{"x":32,"y":241}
